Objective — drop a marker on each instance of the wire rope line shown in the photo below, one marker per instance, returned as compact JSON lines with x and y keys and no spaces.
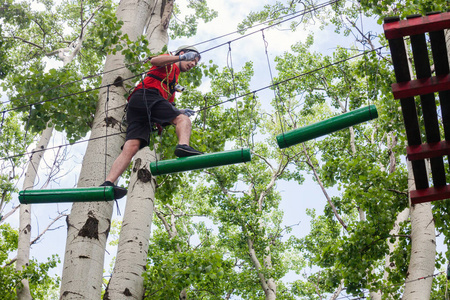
{"x":300,"y":12}
{"x":276,"y":91}
{"x":291,"y":78}
{"x":234,"y":98}
{"x":230,"y":67}
{"x":304,"y":12}
{"x":146,"y":59}
{"x":152,"y":139}
{"x":106,"y":130}
{"x":76,"y":81}
{"x":291,"y":16}
{"x":69,"y":95}
{"x":3,"y":120}
{"x":63,"y":145}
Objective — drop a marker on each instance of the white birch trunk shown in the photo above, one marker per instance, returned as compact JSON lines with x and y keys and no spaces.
{"x":423,"y":249}
{"x":388,"y":264}
{"x":126,"y":280}
{"x":447,"y":41}
{"x":401,"y":217}
{"x":23,"y":249}
{"x":89,"y":223}
{"x":271,"y":293}
{"x":25,"y":210}
{"x":268,"y":285}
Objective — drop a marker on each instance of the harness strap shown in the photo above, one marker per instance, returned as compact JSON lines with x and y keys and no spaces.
{"x":171,"y":84}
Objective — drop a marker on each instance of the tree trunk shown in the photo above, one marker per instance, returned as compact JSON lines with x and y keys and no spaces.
{"x":271,"y":293}
{"x":401,"y":217}
{"x":89,"y":223}
{"x":23,"y":250}
{"x":423,"y":249}
{"x":388,"y":264}
{"x":126,"y":280}
{"x":447,"y":41}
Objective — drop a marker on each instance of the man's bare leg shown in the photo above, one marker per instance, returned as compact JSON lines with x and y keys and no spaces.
{"x":130,"y":148}
{"x":183,"y":129}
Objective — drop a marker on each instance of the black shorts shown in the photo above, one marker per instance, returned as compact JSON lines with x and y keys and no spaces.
{"x":145,"y":107}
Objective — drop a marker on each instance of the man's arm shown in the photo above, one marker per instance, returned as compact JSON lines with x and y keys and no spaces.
{"x":163,"y":60}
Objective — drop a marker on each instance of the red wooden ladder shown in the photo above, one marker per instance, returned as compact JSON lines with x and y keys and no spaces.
{"x":417,"y":28}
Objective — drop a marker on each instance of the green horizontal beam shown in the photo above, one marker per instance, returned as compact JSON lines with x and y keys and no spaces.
{"x":328,"y":126}
{"x":203,"y":161}
{"x":89,"y":194}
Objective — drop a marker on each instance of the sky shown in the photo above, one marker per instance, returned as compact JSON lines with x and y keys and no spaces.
{"x":296,"y":199}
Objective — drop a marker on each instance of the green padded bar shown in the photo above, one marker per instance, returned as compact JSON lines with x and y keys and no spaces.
{"x":330,"y":125}
{"x":203,"y":161}
{"x":89,"y":194}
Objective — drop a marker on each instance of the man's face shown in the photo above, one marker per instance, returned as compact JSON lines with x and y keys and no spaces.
{"x":187,"y":65}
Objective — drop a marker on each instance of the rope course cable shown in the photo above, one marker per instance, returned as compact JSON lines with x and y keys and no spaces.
{"x":305,"y":11}
{"x":291,"y":78}
{"x":149,"y":115}
{"x":214,"y":105}
{"x":69,"y":95}
{"x":3,"y":120}
{"x":146,"y":59}
{"x":106,"y":130}
{"x":75,"y":81}
{"x":230,"y":67}
{"x":28,"y":122}
{"x":236,"y":97}
{"x":276,"y":90}
{"x":265,"y":22}
{"x":63,"y":145}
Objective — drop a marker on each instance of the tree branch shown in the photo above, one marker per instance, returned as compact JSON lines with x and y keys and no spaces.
{"x":256,"y":264}
{"x":25,"y":41}
{"x":338,"y":290}
{"x":9,"y":213}
{"x":311,"y":165}
{"x":275,"y":175}
{"x":13,"y":260}
{"x":264,"y":159}
{"x":398,"y":192}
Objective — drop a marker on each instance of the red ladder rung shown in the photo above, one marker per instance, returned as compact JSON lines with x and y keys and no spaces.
{"x":419,"y":25}
{"x":430,"y":150}
{"x":430,"y":194}
{"x":422,"y":86}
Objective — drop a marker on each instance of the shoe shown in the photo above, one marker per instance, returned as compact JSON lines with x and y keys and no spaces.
{"x":185,"y":150}
{"x":119,"y":192}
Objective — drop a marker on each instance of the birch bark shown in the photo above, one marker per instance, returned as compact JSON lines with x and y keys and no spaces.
{"x":25,"y":210}
{"x":89,"y":223}
{"x":423,"y":249}
{"x":267,"y":283}
{"x":401,"y":217}
{"x":23,"y":249}
{"x":126,"y":280}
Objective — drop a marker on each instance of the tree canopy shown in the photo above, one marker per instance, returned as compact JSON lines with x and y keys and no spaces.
{"x":221,"y":233}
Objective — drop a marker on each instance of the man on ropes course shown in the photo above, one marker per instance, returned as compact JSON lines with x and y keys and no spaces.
{"x":153,"y":101}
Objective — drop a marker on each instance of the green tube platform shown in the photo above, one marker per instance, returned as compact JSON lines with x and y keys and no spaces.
{"x":89,"y":194}
{"x":330,"y":125}
{"x":208,"y":160}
